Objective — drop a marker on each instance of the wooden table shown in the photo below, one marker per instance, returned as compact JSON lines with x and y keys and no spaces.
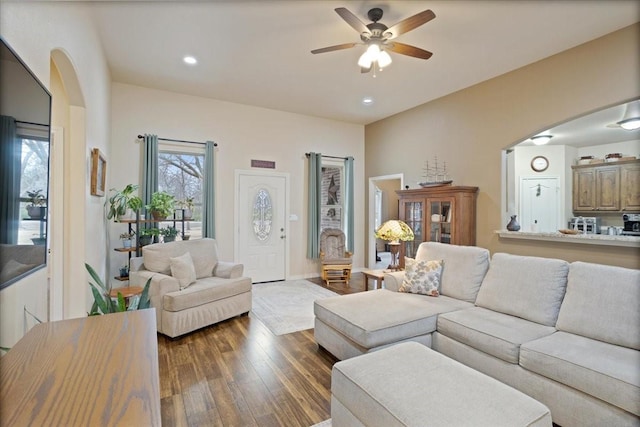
{"x":376,"y":275}
{"x":93,"y":371}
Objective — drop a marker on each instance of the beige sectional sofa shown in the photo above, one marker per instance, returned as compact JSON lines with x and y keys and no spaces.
{"x":566,"y":334}
{"x":190,"y":287}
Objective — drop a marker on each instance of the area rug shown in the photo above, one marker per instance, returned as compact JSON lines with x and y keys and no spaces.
{"x":286,"y":307}
{"x":325,"y":423}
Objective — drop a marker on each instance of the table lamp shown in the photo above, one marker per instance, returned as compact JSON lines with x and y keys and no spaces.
{"x":394,"y":231}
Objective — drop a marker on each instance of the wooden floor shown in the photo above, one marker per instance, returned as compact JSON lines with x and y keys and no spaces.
{"x":237,"y":373}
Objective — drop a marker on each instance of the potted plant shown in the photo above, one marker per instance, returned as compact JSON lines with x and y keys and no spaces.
{"x":35,"y":208}
{"x":162,"y":205}
{"x":146,"y":235}
{"x":123,"y":200}
{"x":187,"y":207}
{"x":126,"y":238}
{"x":169,"y":234}
{"x":104,"y":304}
{"x":124,"y":271}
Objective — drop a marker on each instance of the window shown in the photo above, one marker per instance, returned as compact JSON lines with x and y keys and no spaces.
{"x":332,"y":197}
{"x":181,"y":174}
{"x":33,"y":191}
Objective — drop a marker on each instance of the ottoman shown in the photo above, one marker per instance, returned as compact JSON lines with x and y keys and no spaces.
{"x":354,"y":324}
{"x":409,"y":384}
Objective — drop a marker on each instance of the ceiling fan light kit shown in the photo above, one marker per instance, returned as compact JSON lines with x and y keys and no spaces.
{"x":631,"y":118}
{"x":375,"y":36}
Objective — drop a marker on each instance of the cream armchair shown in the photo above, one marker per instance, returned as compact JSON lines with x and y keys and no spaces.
{"x":335,"y":260}
{"x":190,"y":288}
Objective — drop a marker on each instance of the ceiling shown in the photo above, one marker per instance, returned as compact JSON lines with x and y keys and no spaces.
{"x":258,"y":52}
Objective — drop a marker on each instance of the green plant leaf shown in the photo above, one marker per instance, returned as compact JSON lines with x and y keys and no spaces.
{"x":5,"y":349}
{"x":145,"y":302}
{"x":96,"y":278}
{"x":97,"y":297}
{"x":122,"y":306}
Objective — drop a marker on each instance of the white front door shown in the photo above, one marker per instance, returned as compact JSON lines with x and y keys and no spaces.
{"x":261,"y":226}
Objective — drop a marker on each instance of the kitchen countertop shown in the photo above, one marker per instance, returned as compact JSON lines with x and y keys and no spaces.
{"x":590,"y":239}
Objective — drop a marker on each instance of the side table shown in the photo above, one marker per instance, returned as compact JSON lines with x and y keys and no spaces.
{"x":376,"y":275}
{"x":127,"y":292}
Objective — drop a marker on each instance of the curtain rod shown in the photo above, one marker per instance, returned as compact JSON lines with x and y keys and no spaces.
{"x":215,"y":144}
{"x":328,"y":157}
{"x":32,"y":123}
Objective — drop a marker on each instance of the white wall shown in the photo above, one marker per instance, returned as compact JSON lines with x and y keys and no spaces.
{"x":242,"y":133}
{"x":627,"y":148}
{"x":33,"y":30}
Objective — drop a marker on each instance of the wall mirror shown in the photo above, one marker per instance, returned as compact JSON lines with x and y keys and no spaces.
{"x":538,"y":178}
{"x":25,"y":118}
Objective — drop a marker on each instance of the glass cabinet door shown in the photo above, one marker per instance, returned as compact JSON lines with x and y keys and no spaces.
{"x":414,"y":217}
{"x":439,"y":220}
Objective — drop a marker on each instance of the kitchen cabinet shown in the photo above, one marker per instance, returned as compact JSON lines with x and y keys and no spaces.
{"x":445,"y":214}
{"x":607,"y":187}
{"x":630,"y":187}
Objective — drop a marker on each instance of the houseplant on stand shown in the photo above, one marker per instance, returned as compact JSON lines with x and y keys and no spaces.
{"x":161,"y":206}
{"x":169,"y":234}
{"x":187,"y":207}
{"x":126,"y":238}
{"x":36,"y":205}
{"x":123,"y":201}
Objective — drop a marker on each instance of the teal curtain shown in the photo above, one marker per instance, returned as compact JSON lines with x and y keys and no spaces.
{"x":10,"y":173}
{"x":209,"y":199}
{"x":348,"y":202}
{"x":149,"y":168}
{"x":314,"y":190}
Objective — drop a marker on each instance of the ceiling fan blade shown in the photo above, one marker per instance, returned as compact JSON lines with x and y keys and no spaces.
{"x":332,"y":48}
{"x":352,"y":20}
{"x":409,"y":24}
{"x":405,"y":49}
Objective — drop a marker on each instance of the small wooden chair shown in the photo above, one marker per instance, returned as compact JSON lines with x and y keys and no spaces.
{"x":336,"y":261}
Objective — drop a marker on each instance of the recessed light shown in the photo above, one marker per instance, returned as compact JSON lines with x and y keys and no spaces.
{"x":190,"y":60}
{"x":367,"y":100}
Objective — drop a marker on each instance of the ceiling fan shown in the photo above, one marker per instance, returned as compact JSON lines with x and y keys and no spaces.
{"x":377,"y":38}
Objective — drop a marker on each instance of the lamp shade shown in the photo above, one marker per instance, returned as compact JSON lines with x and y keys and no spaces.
{"x":394,"y":231}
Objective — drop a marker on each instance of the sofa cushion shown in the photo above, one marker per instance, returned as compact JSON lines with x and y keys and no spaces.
{"x":204,"y":253}
{"x":182,"y":269}
{"x":602,"y":302}
{"x":463,"y":270}
{"x":497,"y":334}
{"x":528,"y":287}
{"x":608,"y":372}
{"x":204,"y":291}
{"x":421,"y":277}
{"x":379,"y":317}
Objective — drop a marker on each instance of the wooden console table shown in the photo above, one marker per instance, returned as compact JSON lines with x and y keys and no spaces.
{"x":93,"y":371}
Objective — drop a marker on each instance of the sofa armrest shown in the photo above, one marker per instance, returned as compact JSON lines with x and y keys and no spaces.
{"x":136,"y":264}
{"x":228,"y":270}
{"x":393,"y":280}
{"x":160,"y":283}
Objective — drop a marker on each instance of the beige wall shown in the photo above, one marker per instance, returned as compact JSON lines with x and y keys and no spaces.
{"x":34,"y":30}
{"x":469,"y":129}
{"x":243,"y":133}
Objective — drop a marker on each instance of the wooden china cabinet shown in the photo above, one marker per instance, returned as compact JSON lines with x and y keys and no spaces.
{"x":445,"y":214}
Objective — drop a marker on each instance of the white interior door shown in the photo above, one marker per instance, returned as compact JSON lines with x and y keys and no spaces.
{"x":539,"y":204}
{"x":261,"y":228}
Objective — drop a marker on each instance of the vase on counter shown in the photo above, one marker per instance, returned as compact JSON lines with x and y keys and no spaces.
{"x":513,"y":224}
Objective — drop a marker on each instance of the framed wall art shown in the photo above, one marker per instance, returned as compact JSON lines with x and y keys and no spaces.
{"x":98,"y":173}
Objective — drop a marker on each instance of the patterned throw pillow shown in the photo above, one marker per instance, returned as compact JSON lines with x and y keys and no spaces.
{"x":422,"y":277}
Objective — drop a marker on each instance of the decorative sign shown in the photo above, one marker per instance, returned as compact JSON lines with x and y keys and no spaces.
{"x":266,"y":164}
